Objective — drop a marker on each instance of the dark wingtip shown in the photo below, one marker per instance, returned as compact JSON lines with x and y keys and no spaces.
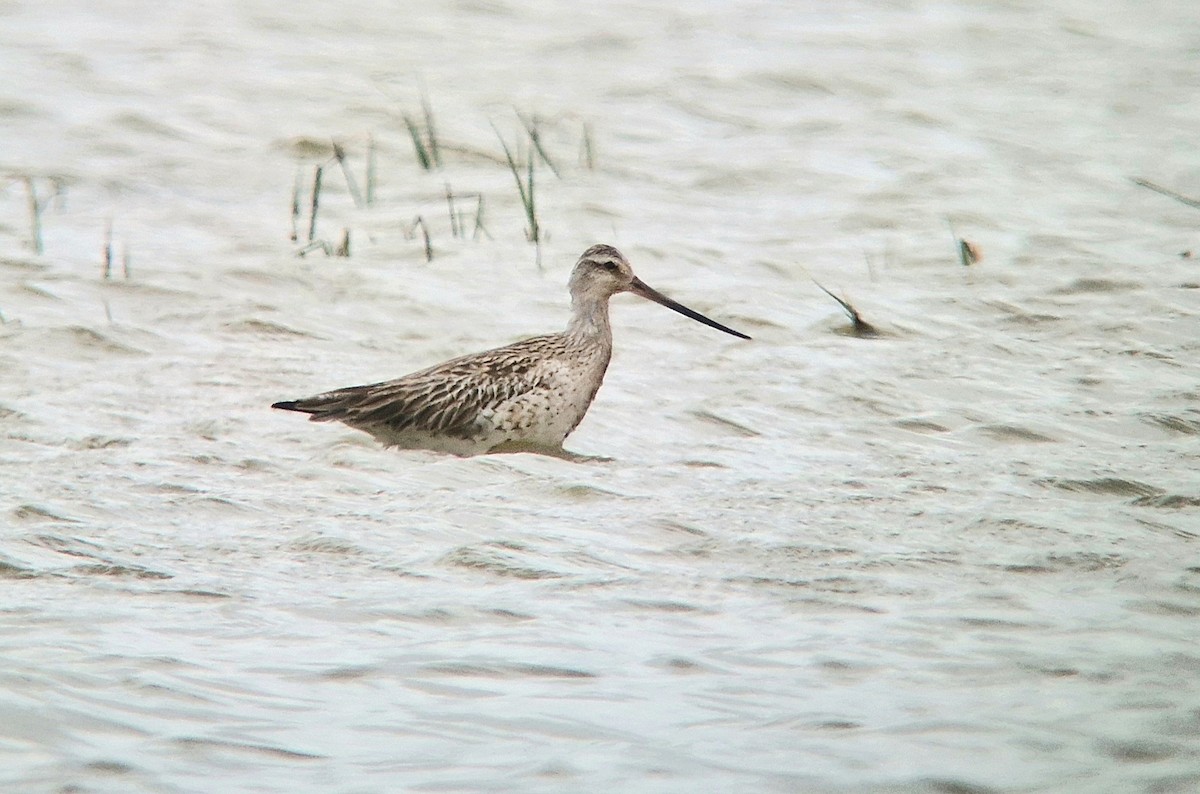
{"x":286,"y":405}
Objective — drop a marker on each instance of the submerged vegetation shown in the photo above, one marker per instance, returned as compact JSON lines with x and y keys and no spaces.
{"x":525,"y":190}
{"x":424,"y":136}
{"x":464,"y":210}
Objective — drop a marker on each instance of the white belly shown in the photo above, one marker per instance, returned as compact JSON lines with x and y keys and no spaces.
{"x":543,"y":417}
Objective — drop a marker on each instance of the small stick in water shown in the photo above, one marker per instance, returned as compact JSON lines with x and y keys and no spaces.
{"x":1146,"y":183}
{"x":861,"y":327}
{"x":344,"y":248}
{"x":968,"y":252}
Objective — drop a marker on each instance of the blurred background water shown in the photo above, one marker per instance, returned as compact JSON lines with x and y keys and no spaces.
{"x":960,"y":556}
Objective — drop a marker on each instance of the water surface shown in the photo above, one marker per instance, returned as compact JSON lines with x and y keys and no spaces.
{"x":960,"y":556}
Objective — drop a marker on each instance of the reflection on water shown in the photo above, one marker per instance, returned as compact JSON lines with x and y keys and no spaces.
{"x":956,"y":556}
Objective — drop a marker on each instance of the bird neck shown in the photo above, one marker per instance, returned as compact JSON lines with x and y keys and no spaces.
{"x":589,"y":319}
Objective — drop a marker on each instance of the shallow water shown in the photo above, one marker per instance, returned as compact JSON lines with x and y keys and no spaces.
{"x":961,"y":556}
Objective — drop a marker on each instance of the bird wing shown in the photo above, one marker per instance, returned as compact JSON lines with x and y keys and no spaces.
{"x":445,"y":399}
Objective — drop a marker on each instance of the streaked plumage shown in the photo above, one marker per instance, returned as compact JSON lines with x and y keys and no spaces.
{"x":527,"y":396}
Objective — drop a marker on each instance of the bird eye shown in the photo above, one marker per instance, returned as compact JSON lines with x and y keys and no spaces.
{"x":610,"y":266}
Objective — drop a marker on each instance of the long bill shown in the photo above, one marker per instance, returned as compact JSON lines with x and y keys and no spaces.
{"x":638,"y":287}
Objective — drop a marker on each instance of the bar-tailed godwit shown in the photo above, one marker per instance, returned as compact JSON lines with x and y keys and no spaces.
{"x":523,"y":397}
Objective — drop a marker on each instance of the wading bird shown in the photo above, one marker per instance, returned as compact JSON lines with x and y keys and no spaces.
{"x":523,"y":397}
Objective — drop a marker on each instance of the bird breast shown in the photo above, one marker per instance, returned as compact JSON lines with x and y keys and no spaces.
{"x":566,"y":385}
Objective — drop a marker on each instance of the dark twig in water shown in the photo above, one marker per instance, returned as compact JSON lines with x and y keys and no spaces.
{"x":1146,"y":183}
{"x":316,"y":201}
{"x":339,"y":154}
{"x":860,"y":326}
{"x":343,"y":249}
{"x":532,"y":128}
{"x":968,"y":253}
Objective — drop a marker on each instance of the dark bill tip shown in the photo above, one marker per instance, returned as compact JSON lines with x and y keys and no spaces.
{"x":639,"y":287}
